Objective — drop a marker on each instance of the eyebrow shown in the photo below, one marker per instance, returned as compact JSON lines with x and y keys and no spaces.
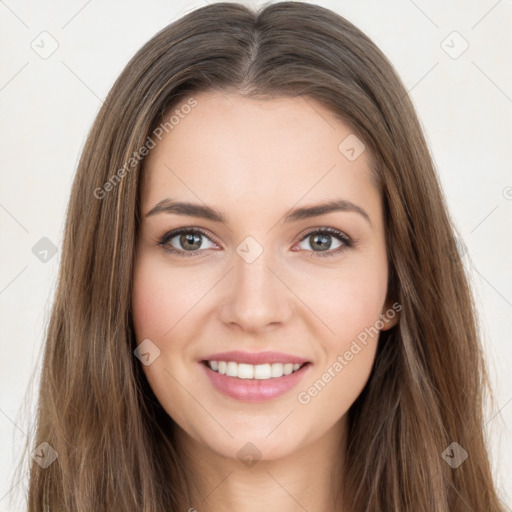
{"x":206,"y":212}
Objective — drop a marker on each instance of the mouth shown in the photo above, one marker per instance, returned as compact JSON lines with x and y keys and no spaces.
{"x":254,"y":377}
{"x":263,"y":371}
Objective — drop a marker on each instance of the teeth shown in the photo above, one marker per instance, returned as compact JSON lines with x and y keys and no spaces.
{"x":243,"y":371}
{"x":250,"y":371}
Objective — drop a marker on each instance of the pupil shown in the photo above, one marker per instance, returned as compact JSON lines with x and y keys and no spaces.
{"x":318,"y":239}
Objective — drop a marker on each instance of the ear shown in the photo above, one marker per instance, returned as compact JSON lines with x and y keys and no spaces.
{"x":390,"y":314}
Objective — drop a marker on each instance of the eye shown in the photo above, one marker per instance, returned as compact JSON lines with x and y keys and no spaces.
{"x":322,"y":239}
{"x":189,"y":241}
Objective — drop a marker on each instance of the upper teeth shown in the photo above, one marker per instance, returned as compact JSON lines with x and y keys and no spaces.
{"x":250,"y":371}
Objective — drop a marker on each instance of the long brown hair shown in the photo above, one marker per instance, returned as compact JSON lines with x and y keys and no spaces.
{"x":114,"y":441}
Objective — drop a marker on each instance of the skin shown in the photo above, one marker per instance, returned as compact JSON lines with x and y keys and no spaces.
{"x":254,"y":160}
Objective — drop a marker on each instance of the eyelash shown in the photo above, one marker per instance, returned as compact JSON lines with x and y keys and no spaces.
{"x":342,"y":237}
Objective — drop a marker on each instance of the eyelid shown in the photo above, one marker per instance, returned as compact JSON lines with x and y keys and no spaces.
{"x":330,"y":230}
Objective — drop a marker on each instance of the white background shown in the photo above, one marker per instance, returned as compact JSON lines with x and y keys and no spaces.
{"x":48,"y":105}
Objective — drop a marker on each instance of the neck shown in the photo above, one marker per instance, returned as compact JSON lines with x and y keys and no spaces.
{"x":309,"y":478}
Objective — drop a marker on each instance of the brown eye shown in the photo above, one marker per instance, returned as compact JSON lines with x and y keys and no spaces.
{"x":321,"y":241}
{"x":183,"y":241}
{"x":190,"y":241}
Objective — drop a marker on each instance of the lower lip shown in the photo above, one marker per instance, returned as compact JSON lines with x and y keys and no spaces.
{"x":254,"y":390}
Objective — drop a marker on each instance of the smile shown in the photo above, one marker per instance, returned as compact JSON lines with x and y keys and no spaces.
{"x":251,"y":371}
{"x":254,"y":383}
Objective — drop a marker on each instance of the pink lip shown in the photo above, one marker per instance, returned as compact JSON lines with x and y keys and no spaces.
{"x":254,"y":390}
{"x":255,"y":357}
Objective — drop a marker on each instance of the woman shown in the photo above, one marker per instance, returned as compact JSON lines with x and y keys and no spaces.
{"x":201,"y":353}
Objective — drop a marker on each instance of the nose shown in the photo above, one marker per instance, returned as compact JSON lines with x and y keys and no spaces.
{"x":256,"y":297}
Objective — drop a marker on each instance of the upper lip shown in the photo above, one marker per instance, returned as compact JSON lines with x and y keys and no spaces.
{"x":238,"y":356}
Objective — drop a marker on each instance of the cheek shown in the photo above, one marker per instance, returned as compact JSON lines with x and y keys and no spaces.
{"x":157,"y":301}
{"x":350,"y":302}
{"x":157,"y":305}
{"x":146,"y":303}
{"x":351,"y":310}
{"x":350,"y":305}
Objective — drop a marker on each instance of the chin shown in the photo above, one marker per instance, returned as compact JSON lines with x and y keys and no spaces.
{"x":249,"y":445}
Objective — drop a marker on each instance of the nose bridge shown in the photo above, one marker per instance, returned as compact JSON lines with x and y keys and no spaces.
{"x":252,"y":272}
{"x":255,"y":296}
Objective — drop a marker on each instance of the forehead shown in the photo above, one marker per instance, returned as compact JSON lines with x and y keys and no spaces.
{"x":256,"y":152}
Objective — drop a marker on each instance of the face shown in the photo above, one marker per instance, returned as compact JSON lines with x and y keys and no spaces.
{"x":251,"y":269}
